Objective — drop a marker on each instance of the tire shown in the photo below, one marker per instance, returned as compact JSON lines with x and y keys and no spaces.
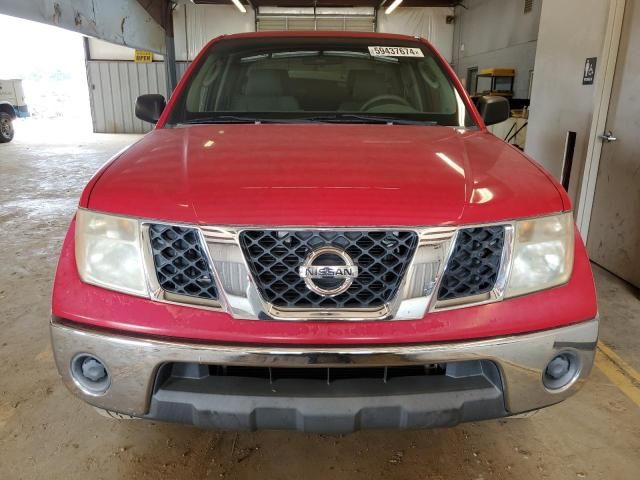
{"x":6,"y":128}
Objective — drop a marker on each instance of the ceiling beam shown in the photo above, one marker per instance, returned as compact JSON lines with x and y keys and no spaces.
{"x":124,"y":22}
{"x":156,"y":10}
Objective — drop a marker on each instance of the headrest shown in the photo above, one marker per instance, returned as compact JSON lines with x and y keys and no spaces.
{"x":266,"y":82}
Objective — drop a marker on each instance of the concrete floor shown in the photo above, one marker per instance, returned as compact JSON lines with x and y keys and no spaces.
{"x":47,"y":433}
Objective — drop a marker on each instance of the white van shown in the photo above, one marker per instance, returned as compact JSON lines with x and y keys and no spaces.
{"x":12,"y":105}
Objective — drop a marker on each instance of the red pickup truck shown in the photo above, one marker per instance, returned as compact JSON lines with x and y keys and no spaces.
{"x":320,"y":234}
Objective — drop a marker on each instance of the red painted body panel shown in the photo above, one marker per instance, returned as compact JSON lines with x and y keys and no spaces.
{"x":86,"y":193}
{"x":86,"y":304}
{"x":324,"y":174}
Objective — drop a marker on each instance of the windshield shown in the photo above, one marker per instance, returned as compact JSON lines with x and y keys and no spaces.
{"x":354,"y":80}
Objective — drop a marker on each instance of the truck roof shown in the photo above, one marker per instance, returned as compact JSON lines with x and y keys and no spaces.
{"x":320,"y":33}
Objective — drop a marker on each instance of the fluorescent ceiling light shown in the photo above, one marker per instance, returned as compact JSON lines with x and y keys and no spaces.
{"x":241,"y":7}
{"x":391,"y":7}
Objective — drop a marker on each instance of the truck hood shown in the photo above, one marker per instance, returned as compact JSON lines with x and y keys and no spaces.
{"x":323,"y":175}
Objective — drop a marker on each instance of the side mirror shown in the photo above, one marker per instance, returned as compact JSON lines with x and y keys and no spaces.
{"x":494,"y":109}
{"x":149,"y":107}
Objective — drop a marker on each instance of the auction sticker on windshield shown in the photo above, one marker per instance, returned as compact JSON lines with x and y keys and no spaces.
{"x":395,"y":52}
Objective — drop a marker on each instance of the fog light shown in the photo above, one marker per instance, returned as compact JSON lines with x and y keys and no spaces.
{"x":90,"y":374}
{"x":561,"y":371}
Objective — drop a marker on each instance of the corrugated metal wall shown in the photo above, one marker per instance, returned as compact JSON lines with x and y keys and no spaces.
{"x":197,"y":24}
{"x":114,"y":87}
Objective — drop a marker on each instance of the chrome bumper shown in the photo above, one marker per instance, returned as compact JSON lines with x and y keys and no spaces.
{"x":133,"y":362}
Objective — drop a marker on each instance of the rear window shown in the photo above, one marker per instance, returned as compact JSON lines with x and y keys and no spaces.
{"x":310,"y":79}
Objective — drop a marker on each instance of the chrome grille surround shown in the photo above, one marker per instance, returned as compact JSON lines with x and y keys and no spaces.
{"x":239,"y":296}
{"x":412,"y":301}
{"x":275,"y":256}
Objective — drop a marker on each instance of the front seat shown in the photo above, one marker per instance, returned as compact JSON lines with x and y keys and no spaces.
{"x":363,"y":86}
{"x":264,"y":92}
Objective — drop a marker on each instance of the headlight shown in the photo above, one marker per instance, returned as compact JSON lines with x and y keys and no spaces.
{"x":108,"y":252}
{"x":542,"y":254}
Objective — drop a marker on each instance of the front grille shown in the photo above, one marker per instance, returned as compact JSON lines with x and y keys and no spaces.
{"x":326,"y":375}
{"x":474,"y":264}
{"x":274,"y":257}
{"x":180,"y":263}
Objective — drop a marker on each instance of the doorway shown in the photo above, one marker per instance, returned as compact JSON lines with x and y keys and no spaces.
{"x":472,"y":75}
{"x":614,"y":229}
{"x":49,"y":64}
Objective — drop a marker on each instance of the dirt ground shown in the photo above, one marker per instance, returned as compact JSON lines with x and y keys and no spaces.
{"x":45,"y":432}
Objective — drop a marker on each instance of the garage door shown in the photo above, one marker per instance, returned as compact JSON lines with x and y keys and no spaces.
{"x":335,"y":19}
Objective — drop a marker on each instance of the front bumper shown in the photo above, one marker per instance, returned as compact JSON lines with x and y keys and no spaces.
{"x":133,"y":364}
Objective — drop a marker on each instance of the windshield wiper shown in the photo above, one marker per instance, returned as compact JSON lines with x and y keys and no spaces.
{"x":364,"y":118}
{"x":330,"y":118}
{"x":241,"y":119}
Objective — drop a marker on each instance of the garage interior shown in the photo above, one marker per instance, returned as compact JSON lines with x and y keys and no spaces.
{"x":583,"y":130}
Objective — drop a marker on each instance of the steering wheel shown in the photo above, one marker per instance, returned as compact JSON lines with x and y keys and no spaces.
{"x":384,"y":100}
